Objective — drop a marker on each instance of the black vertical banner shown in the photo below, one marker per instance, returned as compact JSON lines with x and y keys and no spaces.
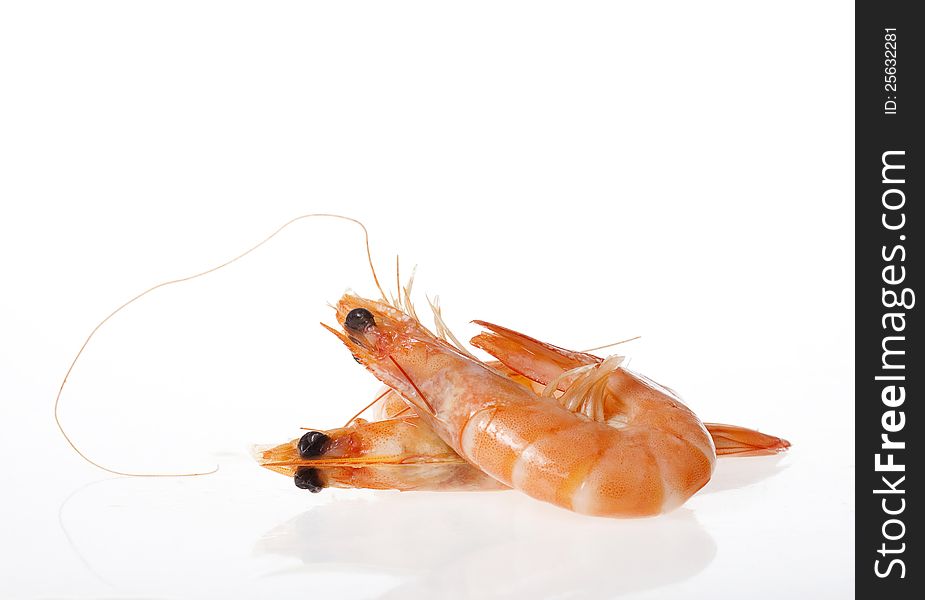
{"x":890,"y":367}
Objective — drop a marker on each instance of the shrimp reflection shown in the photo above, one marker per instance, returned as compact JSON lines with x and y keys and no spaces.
{"x":488,"y":545}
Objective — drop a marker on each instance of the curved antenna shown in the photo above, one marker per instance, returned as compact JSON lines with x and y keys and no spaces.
{"x":181,"y":280}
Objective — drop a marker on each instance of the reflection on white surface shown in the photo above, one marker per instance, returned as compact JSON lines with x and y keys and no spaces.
{"x":222,"y":534}
{"x":246,"y":533}
{"x":492,"y":545}
{"x":70,"y":541}
{"x":737,"y":473}
{"x":190,"y":538}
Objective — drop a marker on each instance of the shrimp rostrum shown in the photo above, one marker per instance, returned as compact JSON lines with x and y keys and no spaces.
{"x":650,"y":456}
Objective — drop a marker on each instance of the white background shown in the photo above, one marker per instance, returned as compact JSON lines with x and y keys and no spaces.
{"x":583,"y":172}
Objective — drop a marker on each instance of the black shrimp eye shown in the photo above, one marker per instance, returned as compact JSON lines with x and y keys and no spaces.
{"x":359,"y":319}
{"x":307,"y":478}
{"x":312,"y":443}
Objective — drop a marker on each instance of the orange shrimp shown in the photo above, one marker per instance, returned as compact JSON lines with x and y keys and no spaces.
{"x":393,"y":454}
{"x":656,"y":457}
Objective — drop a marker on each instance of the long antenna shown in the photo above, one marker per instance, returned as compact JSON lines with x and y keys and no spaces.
{"x":181,"y":280}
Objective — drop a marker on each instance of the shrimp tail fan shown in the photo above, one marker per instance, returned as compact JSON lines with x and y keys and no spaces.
{"x":731,"y":440}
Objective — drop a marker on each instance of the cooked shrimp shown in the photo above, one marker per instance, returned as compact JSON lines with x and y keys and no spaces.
{"x":394,"y":454}
{"x":656,"y":458}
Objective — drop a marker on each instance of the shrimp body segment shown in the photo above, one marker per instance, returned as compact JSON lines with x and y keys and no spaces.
{"x":659,"y":456}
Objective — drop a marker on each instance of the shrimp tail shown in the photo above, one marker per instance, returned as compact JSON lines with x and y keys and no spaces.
{"x":732,"y":440}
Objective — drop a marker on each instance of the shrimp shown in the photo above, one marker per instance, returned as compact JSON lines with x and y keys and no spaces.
{"x":400,"y":454}
{"x":649,"y":460}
